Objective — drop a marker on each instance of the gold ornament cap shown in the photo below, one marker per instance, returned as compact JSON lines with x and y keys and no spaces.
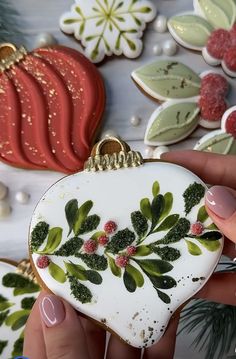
{"x":10,"y":55}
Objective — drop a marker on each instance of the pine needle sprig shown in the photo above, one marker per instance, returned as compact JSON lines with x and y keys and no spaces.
{"x":9,"y":23}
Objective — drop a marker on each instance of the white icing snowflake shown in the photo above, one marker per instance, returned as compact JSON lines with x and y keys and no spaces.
{"x":107,"y":27}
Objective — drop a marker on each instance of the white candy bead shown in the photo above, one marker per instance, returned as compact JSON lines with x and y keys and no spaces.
{"x":159,"y":151}
{"x":45,"y":39}
{"x":3,"y":191}
{"x":157,"y":49}
{"x":135,"y":121}
{"x":109,"y":133}
{"x":5,"y":210}
{"x":160,"y":25}
{"x":148,"y":152}
{"x":22,"y":197}
{"x":170,"y":47}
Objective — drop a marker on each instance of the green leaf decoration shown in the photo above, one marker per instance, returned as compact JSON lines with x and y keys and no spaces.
{"x":135,"y":274}
{"x":120,"y":241}
{"x":168,"y":254}
{"x":56,"y":272}
{"x":202,"y":215}
{"x":129,"y":282}
{"x":90,"y":224}
{"x":27,"y":303}
{"x":210,"y":236}
{"x":168,"y":80}
{"x":193,"y":196}
{"x":82,"y":214}
{"x":21,"y":291}
{"x":38,"y":235}
{"x":54,"y":240}
{"x":193,"y":248}
{"x":168,"y":223}
{"x":154,"y":267}
{"x":94,"y":261}
{"x":190,"y":30}
{"x":168,"y":198}
{"x":221,"y":143}
{"x":71,"y":210}
{"x":178,"y":232}
{"x":163,"y":296}
{"x":18,"y":347}
{"x":17,"y":319}
{"x":220,"y":14}
{"x":20,"y":283}
{"x":212,"y":226}
{"x":70,"y":248}
{"x":145,"y":208}
{"x":155,"y":189}
{"x":76,"y":271}
{"x":142,"y":251}
{"x":3,"y":344}
{"x":139,"y":223}
{"x":171,"y":122}
{"x":3,"y":316}
{"x":80,"y":291}
{"x":5,"y":305}
{"x":211,"y":246}
{"x":2,"y":299}
{"x":98,"y":234}
{"x":114,"y":268}
{"x":162,"y":282}
{"x":157,"y":208}
{"x":94,"y":277}
{"x":20,"y":322}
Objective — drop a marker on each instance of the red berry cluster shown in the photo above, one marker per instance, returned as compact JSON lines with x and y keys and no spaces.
{"x":222,"y":46}
{"x":214,"y":89}
{"x":43,"y":262}
{"x":90,"y":246}
{"x":231,"y":124}
{"x":197,"y":229}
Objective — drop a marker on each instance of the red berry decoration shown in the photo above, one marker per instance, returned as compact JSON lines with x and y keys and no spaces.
{"x":231,"y":124}
{"x":212,"y":108}
{"x":90,"y":246}
{"x":214,"y":84}
{"x":233,"y":35}
{"x":110,"y":227}
{"x":131,"y":250}
{"x":230,"y":59}
{"x":103,"y":240}
{"x":218,"y":42}
{"x":43,"y":262}
{"x":122,"y":261}
{"x":197,"y":228}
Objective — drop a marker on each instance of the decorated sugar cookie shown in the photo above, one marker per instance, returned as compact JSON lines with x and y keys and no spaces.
{"x":18,"y":292}
{"x":108,"y":27}
{"x":191,"y":100}
{"x":51,"y":104}
{"x":210,"y":29}
{"x":124,"y":244}
{"x":221,"y":141}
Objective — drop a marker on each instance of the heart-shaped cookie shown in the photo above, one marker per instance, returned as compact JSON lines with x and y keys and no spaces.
{"x":127,"y":244}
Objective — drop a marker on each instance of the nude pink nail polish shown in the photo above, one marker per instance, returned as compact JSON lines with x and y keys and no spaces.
{"x":221,"y":201}
{"x":52,"y":310}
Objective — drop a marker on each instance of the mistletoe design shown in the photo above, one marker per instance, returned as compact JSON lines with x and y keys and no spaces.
{"x":124,"y":251}
{"x":107,"y":27}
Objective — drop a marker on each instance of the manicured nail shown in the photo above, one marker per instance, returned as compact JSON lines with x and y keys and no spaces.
{"x":52,"y":310}
{"x":221,"y":201}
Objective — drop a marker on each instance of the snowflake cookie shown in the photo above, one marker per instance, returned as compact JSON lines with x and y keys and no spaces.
{"x":107,"y":27}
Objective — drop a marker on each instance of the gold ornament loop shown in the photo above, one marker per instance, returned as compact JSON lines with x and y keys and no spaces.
{"x":10,"y":55}
{"x":112,"y":161}
{"x":24,"y":268}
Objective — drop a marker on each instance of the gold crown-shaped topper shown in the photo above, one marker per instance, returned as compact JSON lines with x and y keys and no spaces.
{"x":10,"y":55}
{"x":113,"y":160}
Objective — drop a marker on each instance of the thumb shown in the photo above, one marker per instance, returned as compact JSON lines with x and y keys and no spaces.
{"x":63,"y":333}
{"x":221,"y":206}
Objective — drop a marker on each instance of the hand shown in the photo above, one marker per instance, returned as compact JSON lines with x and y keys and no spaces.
{"x":219,"y":171}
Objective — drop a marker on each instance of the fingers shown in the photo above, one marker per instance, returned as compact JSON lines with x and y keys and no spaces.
{"x":221,"y":206}
{"x":95,"y":338}
{"x":63,"y":333}
{"x":34,"y":347}
{"x":165,"y":348}
{"x":229,"y":249}
{"x":118,"y":349}
{"x":212,"y":168}
{"x":221,"y":288}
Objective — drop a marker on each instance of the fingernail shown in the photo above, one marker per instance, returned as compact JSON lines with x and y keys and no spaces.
{"x":52,"y":310}
{"x":221,"y":201}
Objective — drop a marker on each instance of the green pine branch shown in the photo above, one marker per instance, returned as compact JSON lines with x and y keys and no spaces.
{"x":9,"y":23}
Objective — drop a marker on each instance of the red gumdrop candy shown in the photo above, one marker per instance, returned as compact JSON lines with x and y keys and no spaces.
{"x":231,"y":124}
{"x":233,"y":35}
{"x":214,"y":84}
{"x":212,"y":108}
{"x":230,"y":59}
{"x":218,"y":42}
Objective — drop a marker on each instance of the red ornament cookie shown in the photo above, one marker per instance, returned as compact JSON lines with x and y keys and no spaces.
{"x":51,"y":104}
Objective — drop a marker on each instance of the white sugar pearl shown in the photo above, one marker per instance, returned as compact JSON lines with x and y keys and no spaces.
{"x":160,"y":25}
{"x":135,"y":121}
{"x":3,"y":191}
{"x":148,"y":152}
{"x":170,"y":47}
{"x":5,"y":210}
{"x":157,"y":49}
{"x":22,"y":197}
{"x":109,"y":133}
{"x":45,"y":39}
{"x":159,"y":151}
